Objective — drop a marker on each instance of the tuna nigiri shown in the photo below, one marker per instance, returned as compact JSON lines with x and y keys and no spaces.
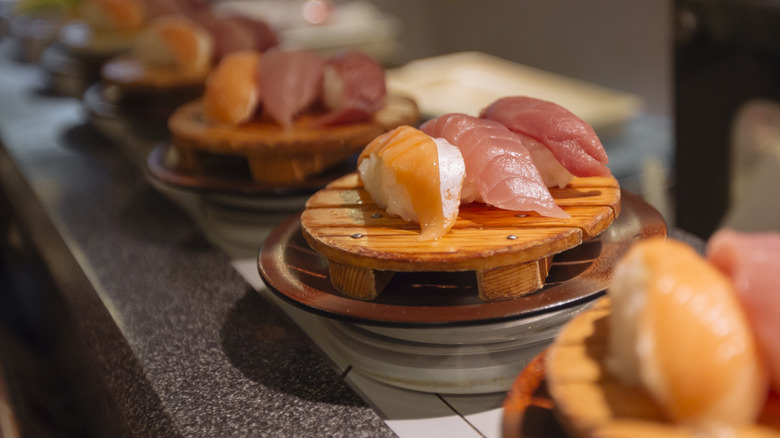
{"x":677,"y":329}
{"x":752,"y":261}
{"x":233,"y":33}
{"x":414,"y":176}
{"x":353,"y":88}
{"x":291,"y":80}
{"x":572,"y":141}
{"x":499,"y":168}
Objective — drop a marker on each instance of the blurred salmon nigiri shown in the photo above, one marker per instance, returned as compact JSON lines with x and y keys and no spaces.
{"x":677,"y":329}
{"x":175,"y":42}
{"x":232,"y":94}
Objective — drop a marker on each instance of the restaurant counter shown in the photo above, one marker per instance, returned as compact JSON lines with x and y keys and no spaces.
{"x":166,"y":337}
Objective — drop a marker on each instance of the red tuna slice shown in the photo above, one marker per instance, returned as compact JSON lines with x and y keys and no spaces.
{"x":228,"y":37}
{"x":572,"y":141}
{"x":353,"y":88}
{"x":498,"y":165}
{"x":291,"y":81}
{"x":262,"y":36}
{"x":752,"y":261}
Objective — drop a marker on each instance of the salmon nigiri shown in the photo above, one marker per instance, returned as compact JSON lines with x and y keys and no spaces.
{"x":414,"y":176}
{"x":175,"y":42}
{"x":752,"y":261}
{"x":571,"y":140}
{"x":677,"y":329}
{"x":232,"y":93}
{"x":499,"y":168}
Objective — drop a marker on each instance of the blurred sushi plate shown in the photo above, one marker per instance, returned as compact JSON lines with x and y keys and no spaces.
{"x":434,"y":299}
{"x":530,"y":410}
{"x":228,"y":186}
{"x":467,"y":82}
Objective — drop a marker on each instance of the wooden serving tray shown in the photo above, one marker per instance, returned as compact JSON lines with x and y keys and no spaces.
{"x":274,"y":154}
{"x":567,"y":391}
{"x":510,"y":252}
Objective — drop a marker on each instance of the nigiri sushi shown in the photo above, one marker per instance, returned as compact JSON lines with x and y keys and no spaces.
{"x":499,"y":168}
{"x":176,"y":43}
{"x":122,"y":16}
{"x":353,"y":88}
{"x":232,"y":33}
{"x":291,"y":80}
{"x":232,"y":93}
{"x":678,"y":330}
{"x":571,"y":140}
{"x":752,"y":261}
{"x":416,"y":177}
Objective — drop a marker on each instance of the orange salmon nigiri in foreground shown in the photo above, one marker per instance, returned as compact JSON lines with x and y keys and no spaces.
{"x":411,"y":175}
{"x":677,"y":329}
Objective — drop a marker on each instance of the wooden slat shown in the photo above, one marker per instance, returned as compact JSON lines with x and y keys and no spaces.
{"x":590,"y":219}
{"x":460,"y":249}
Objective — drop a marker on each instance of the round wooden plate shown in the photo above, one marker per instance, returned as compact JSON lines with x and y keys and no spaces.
{"x":509,"y":251}
{"x":163,"y":164}
{"x":567,"y":391}
{"x":299,"y":274}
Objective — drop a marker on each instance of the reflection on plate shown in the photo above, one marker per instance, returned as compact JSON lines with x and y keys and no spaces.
{"x":298,"y":274}
{"x":233,"y":187}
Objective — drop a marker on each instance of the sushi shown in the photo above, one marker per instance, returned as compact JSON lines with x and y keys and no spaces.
{"x":416,"y":177}
{"x":752,"y":262}
{"x":232,"y":93}
{"x":257,"y":108}
{"x":176,"y":43}
{"x":121,"y":16}
{"x":291,"y":81}
{"x":677,"y":329}
{"x":570,"y":139}
{"x":499,"y":168}
{"x":353,"y":88}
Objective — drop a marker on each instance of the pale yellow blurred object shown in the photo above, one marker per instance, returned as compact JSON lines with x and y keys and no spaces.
{"x":467,"y":82}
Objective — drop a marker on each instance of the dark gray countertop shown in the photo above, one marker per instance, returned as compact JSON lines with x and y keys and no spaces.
{"x":176,"y":343}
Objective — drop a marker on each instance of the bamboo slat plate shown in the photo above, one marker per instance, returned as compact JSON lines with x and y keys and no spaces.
{"x":567,"y":391}
{"x":510,"y":252}
{"x":299,"y":274}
